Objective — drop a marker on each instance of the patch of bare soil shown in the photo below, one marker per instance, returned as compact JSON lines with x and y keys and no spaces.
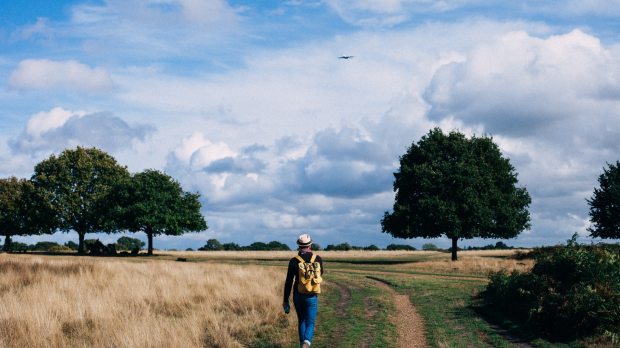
{"x":409,"y":324}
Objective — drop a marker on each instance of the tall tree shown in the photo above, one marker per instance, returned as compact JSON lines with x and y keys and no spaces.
{"x":154,"y":203}
{"x":24,"y":210}
{"x":458,"y":187}
{"x":79,"y":182}
{"x":605,"y":204}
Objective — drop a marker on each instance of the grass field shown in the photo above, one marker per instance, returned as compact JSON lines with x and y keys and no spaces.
{"x":233,"y":299}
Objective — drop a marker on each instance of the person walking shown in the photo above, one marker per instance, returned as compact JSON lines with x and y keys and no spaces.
{"x":305,"y":276}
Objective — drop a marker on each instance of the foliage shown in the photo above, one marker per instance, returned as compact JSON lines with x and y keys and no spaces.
{"x":605,"y":204}
{"x":215,"y":245}
{"x":429,"y":246}
{"x":212,"y":245}
{"x":45,"y":246}
{"x":275,"y":245}
{"x":572,"y":291}
{"x":16,"y":247}
{"x":372,"y":247}
{"x":71,"y":245}
{"x":400,"y":247}
{"x":78,"y":183}
{"x":231,"y":247}
{"x":339,"y":247}
{"x":128,"y":243}
{"x":24,"y":210}
{"x":458,"y":187}
{"x":154,"y":203}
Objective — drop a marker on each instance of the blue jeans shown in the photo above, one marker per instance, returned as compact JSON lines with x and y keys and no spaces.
{"x":306,"y":307}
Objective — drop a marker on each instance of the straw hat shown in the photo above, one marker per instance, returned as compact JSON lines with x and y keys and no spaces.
{"x":304,"y":240}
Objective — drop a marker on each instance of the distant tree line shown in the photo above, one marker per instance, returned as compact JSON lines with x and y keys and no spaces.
{"x":122,"y":244}
{"x":215,"y":245}
{"x":86,"y":191}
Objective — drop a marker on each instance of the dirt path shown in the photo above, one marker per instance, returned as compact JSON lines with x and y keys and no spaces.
{"x":409,"y":324}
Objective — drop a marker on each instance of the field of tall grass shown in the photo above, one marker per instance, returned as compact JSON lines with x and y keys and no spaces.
{"x":60,"y":301}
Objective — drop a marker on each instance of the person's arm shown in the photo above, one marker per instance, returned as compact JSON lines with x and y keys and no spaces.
{"x":288,"y":283}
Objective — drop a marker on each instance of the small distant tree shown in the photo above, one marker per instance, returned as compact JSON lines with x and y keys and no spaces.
{"x":213,"y":245}
{"x":339,"y":247}
{"x":78,"y":182}
{"x":457,"y":187}
{"x":275,"y":245}
{"x":605,"y":204}
{"x":257,"y":246}
{"x":316,"y":247}
{"x":71,"y":245}
{"x":231,"y":247}
{"x":372,"y":247}
{"x":154,"y":203}
{"x":400,"y":247}
{"x":429,"y":246}
{"x":24,"y":210}
{"x":128,"y":243}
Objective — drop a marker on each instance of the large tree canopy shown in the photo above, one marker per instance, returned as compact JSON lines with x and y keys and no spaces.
{"x":78,"y":182}
{"x":458,"y":187}
{"x":24,"y":210}
{"x":605,"y":204}
{"x":154,"y":203}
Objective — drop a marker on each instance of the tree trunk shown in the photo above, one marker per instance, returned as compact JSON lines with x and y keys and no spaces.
{"x":81,"y":250}
{"x":150,"y":237}
{"x":454,"y":240}
{"x":7,"y":244}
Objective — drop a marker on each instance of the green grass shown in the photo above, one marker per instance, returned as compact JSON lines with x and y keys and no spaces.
{"x":362,"y":318}
{"x":447,"y":302}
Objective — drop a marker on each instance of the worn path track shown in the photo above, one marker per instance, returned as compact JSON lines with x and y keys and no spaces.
{"x":409,"y":324}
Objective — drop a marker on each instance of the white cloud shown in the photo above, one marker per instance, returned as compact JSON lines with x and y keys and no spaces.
{"x":60,"y":128}
{"x":70,"y":75}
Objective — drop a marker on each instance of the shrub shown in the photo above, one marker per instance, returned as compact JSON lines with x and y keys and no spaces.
{"x":339,"y":247}
{"x":372,"y":247}
{"x":212,"y":245}
{"x":399,"y":247}
{"x":128,"y":243}
{"x":71,"y":245}
{"x":571,"y":292}
{"x":46,"y":246}
{"x":429,"y":246}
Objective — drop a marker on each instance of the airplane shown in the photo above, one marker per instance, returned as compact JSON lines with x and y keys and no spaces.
{"x":345,"y":57}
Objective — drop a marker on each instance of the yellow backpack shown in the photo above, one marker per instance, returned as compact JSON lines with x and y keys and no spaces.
{"x":309,"y":276}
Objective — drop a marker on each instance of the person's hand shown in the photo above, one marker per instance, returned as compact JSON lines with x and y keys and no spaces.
{"x":286,"y":307}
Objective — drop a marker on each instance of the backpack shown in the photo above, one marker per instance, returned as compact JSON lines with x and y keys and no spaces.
{"x":309,"y":276}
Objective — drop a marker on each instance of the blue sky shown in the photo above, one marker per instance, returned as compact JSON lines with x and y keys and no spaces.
{"x":247,"y":103}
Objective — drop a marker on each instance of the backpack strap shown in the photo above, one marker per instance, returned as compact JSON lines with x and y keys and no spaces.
{"x":299,"y":258}
{"x":313,"y":258}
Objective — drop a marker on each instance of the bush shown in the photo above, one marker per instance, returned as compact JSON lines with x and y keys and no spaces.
{"x":372,"y":247}
{"x":71,"y":245}
{"x":399,"y":247}
{"x":47,"y":246}
{"x":429,"y":246}
{"x":571,"y":292}
{"x":128,"y":243}
{"x":339,"y":247}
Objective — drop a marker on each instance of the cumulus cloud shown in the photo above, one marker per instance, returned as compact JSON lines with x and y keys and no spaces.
{"x":70,"y":75}
{"x":521,"y":84}
{"x":60,"y":128}
{"x":343,"y":163}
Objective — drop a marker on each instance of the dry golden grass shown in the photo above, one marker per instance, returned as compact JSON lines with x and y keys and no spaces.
{"x":102,"y":302}
{"x":473,"y":262}
{"x":479,"y":262}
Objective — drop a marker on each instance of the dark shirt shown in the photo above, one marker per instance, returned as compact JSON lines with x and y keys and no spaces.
{"x":293,"y":272}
